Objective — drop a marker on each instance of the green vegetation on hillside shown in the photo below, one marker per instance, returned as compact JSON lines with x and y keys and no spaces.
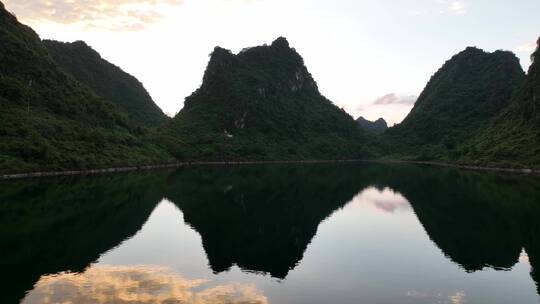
{"x":63,"y":107}
{"x":106,"y":80}
{"x":512,"y":138}
{"x":50,"y":121}
{"x":261,"y":104}
{"x":464,"y":95}
{"x":478,"y":109}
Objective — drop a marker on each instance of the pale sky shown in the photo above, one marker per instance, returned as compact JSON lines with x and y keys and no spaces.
{"x":371,"y":57}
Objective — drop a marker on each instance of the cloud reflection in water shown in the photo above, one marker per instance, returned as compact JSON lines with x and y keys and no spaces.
{"x":137,"y":284}
{"x":386,"y":200}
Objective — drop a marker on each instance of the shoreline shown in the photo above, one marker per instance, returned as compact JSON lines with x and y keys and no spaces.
{"x":162,"y":166}
{"x":527,"y":171}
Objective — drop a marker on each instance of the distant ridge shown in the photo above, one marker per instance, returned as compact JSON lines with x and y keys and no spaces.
{"x":375,"y":127}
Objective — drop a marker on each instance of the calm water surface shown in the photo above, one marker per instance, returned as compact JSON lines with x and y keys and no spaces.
{"x":325,"y":233}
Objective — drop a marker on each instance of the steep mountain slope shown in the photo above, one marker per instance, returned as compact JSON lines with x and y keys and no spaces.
{"x":261,"y":104}
{"x":375,"y":127}
{"x":48,"y":120}
{"x":465,"y":94}
{"x":513,"y":138}
{"x":107,"y":80}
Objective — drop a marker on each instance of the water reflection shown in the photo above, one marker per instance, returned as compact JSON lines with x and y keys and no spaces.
{"x":55,"y":225}
{"x":385,"y":200}
{"x":478,"y":220}
{"x":259,"y":218}
{"x":101,"y":284}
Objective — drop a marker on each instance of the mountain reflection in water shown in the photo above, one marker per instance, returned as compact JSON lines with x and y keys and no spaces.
{"x":259,"y":219}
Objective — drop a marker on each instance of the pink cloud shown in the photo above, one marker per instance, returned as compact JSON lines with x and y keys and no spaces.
{"x":395,"y":99}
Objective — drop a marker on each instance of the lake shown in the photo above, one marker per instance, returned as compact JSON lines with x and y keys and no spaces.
{"x":305,"y":233}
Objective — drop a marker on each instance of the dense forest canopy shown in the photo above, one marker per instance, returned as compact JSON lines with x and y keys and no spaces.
{"x":64,"y":107}
{"x":470,"y":90}
{"x":513,"y":137}
{"x":50,"y":121}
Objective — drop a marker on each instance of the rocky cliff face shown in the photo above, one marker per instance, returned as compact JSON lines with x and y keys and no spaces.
{"x":261,"y":104}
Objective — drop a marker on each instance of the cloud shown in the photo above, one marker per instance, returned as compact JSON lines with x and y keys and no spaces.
{"x":115,"y":15}
{"x":136,"y":284}
{"x":524,"y":257}
{"x":392,"y":107}
{"x":432,"y":7}
{"x":392,"y":98}
{"x":458,"y":297}
{"x":455,"y":7}
{"x":458,"y":8}
{"x":525,"y":48}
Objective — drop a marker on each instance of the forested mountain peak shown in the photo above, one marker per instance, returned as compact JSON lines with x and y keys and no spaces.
{"x":513,"y":137}
{"x":281,"y":42}
{"x":279,"y":68}
{"x":469,"y":90}
{"x":471,"y":67}
{"x":261,"y":103}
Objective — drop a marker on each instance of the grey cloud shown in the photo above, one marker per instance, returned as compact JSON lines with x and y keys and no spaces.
{"x":106,"y":14}
{"x":395,"y":99}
